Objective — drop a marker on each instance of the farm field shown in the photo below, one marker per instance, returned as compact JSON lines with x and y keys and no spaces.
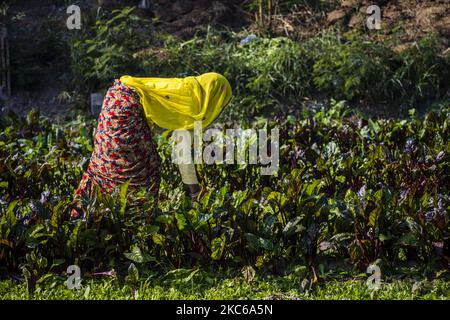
{"x":358,"y":207}
{"x":362,"y":208}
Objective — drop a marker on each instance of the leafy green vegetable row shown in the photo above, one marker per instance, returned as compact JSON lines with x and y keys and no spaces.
{"x":348,"y":189}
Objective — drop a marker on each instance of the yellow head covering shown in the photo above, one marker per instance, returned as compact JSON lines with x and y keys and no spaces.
{"x":175,"y":103}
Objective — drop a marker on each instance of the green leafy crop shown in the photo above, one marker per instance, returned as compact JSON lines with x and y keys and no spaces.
{"x":347,"y":188}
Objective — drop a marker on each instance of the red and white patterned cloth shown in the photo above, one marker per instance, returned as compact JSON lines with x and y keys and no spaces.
{"x":123,"y":147}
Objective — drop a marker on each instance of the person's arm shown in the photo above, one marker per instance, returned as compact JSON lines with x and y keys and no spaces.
{"x":185,"y":164}
{"x":189,"y":178}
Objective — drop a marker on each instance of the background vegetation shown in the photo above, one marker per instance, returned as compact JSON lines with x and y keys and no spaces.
{"x":270,"y":72}
{"x":353,"y":188}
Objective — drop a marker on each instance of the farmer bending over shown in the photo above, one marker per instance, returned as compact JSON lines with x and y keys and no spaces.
{"x":123,"y":145}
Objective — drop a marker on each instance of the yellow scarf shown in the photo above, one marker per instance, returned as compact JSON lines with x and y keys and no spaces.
{"x":175,"y":103}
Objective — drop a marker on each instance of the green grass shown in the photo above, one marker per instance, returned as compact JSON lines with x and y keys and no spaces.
{"x":270,"y":287}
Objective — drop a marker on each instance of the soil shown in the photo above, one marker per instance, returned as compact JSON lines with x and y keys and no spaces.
{"x":39,"y":21}
{"x":410,"y":19}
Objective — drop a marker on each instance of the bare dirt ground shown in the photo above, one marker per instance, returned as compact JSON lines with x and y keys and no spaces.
{"x":409,"y":19}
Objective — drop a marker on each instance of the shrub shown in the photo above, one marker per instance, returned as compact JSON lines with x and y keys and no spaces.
{"x":423,"y":74}
{"x":269,"y":74}
{"x":262,"y":73}
{"x":105,"y":51}
{"x":354,"y":70}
